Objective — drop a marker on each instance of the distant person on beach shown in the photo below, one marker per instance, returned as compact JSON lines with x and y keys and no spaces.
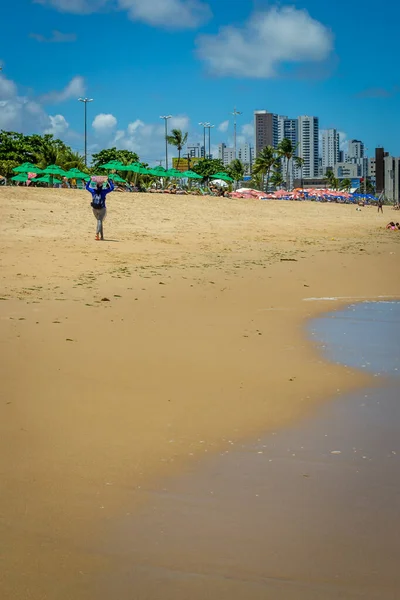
{"x":99,"y":204}
{"x":380,"y":206}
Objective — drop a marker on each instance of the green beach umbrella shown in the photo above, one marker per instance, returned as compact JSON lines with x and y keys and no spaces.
{"x":132,"y":167}
{"x":76,"y":174}
{"x":223,"y":176}
{"x":113,"y":165}
{"x":20,"y":177}
{"x":158,"y":173}
{"x":53,"y":170}
{"x":27,"y":167}
{"x":173,"y":173}
{"x":191,"y":175}
{"x":117,"y":178}
{"x":45,"y":179}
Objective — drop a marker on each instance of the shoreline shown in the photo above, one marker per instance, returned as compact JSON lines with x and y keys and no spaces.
{"x":200,"y":357}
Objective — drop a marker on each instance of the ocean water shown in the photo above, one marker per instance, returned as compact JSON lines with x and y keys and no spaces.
{"x":364,"y":336}
{"x":310,"y":512}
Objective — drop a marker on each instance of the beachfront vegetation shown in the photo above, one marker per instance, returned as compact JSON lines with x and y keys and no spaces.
{"x":264,"y":163}
{"x":236,"y":170}
{"x":277,"y":179}
{"x":208,"y":167}
{"x":331,"y":180}
{"x":177,"y":139}
{"x":286,"y":150}
{"x":41,"y":150}
{"x":126,"y":157}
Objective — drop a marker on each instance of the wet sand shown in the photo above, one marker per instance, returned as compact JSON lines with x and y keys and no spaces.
{"x":127,"y":361}
{"x":307,"y":512}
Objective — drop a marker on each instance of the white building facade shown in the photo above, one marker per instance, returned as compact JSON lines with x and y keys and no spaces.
{"x":330,"y":149}
{"x":308,"y":150}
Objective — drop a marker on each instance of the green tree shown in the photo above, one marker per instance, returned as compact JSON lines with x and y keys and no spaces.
{"x":331,"y":180}
{"x":177,"y":139}
{"x":299,"y":162}
{"x":208,"y":167}
{"x":7,"y":166}
{"x":236,"y":170}
{"x":108,"y":154}
{"x":277,"y":179}
{"x":264,"y":163}
{"x":257,"y":181}
{"x":345,"y":184}
{"x":286,"y":150}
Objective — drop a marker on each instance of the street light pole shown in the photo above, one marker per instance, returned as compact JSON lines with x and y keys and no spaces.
{"x":204,"y":125}
{"x":235,"y":114}
{"x":166,"y":117}
{"x":85,"y":101}
{"x":209,"y":139}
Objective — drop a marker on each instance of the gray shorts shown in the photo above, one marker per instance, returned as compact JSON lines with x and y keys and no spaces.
{"x":100,"y":213}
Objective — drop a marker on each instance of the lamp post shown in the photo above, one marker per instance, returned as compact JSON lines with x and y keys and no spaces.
{"x":204,"y":125}
{"x":166,"y":117}
{"x":85,"y":102}
{"x":235,"y":114}
{"x":209,"y":127}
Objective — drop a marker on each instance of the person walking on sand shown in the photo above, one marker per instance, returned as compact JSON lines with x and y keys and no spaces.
{"x":99,"y":204}
{"x":380,"y":205}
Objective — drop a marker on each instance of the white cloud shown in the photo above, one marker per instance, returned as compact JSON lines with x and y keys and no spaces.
{"x":343,"y":140}
{"x":8,"y":89}
{"x":171,"y":14}
{"x":269,"y":38}
{"x":58,"y":125}
{"x":57,"y":37}
{"x":248,"y":131}
{"x":80,"y":7}
{"x":21,"y":113}
{"x":74,"y":89}
{"x":104,"y":123}
{"x":146,"y":139}
{"x":168,"y":14}
{"x":223,"y":127}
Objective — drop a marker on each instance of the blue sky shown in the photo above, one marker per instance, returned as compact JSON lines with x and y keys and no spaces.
{"x":196,"y":60}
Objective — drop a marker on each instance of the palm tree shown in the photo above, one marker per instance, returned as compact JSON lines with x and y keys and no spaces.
{"x":177,"y":139}
{"x":236,"y":170}
{"x":277,"y":179}
{"x":286,"y":150}
{"x":331,"y":180}
{"x":345,"y":184}
{"x":264,"y":162}
{"x":299,"y":162}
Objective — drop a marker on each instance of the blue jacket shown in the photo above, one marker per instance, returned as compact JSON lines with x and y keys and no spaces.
{"x":99,"y":197}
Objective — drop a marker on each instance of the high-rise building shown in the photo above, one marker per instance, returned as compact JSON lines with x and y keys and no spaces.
{"x":226,"y":154}
{"x":308,"y":130}
{"x":287,"y":128}
{"x":196,"y":150}
{"x":245,"y":154}
{"x":330,"y":149}
{"x":355,"y":150}
{"x":265,"y":130}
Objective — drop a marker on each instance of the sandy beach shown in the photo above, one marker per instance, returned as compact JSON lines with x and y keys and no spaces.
{"x":127,"y":360}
